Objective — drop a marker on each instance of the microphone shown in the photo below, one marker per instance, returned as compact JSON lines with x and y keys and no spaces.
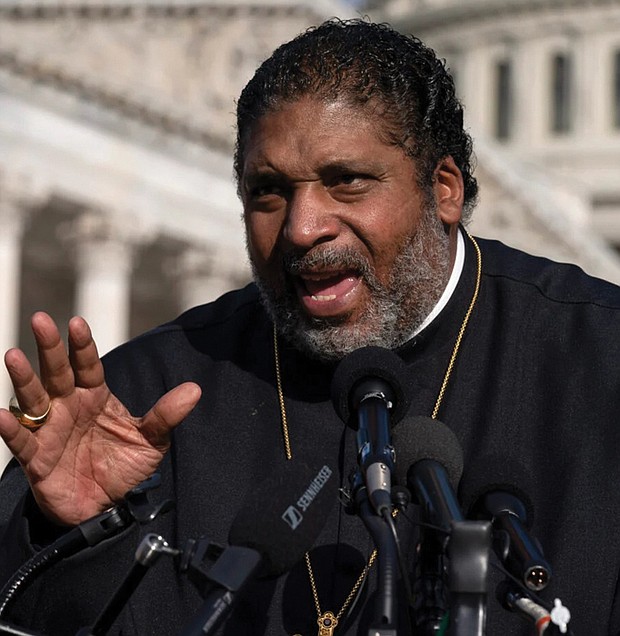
{"x":431,"y":464}
{"x":511,"y":513}
{"x":278,"y":523}
{"x":284,"y":515}
{"x":367,"y":386}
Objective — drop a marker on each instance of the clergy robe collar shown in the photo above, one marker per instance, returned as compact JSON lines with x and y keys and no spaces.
{"x":455,"y":275}
{"x":441,"y":329}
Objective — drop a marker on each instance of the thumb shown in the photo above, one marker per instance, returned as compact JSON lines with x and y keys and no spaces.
{"x":168,"y":412}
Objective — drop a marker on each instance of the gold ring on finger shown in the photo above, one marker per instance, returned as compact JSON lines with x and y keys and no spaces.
{"x":30,"y":422}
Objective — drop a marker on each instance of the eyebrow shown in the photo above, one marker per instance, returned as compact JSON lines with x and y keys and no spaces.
{"x":253,"y":177}
{"x":353,"y":165}
{"x":269,"y":173}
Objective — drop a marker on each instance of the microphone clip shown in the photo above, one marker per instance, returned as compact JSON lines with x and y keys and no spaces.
{"x":210,"y":566}
{"x":137,"y":505}
{"x":367,"y":393}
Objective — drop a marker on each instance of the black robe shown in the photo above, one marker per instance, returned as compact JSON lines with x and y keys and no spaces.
{"x":536,"y":383}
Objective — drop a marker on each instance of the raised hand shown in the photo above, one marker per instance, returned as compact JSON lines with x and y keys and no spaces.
{"x":91,"y":450}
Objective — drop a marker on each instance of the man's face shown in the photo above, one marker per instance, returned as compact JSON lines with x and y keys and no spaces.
{"x":346,"y":248}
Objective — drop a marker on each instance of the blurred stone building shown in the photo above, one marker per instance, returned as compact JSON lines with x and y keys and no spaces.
{"x":540,"y":80}
{"x":117,"y":200}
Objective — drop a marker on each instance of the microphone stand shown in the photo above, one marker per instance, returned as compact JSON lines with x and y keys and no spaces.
{"x":218,"y":573}
{"x":135,"y":507}
{"x":385,"y":623}
{"x":220,"y":584}
{"x":147,"y":554}
{"x":463,"y":599}
{"x":431,"y":596}
{"x":469,"y":550}
{"x":466,"y":543}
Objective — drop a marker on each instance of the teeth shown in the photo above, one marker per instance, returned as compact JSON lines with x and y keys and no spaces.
{"x":324,"y":298}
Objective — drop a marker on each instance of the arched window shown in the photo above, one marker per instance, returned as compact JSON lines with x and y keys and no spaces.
{"x":504,"y":100}
{"x":561,"y":93}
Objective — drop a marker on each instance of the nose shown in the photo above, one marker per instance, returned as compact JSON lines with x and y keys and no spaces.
{"x":310,"y":219}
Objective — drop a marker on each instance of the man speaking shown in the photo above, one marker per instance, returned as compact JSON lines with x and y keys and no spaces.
{"x":355,"y":175}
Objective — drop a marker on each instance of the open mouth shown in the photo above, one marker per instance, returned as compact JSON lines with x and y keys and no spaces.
{"x":326,"y":287}
{"x":328,"y":293}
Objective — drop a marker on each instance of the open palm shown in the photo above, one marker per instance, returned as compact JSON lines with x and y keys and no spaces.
{"x":91,"y":450}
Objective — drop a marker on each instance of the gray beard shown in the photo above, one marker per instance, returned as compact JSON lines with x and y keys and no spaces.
{"x":419,"y":276}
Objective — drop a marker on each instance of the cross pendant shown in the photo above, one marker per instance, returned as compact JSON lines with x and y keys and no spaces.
{"x":327,"y":624}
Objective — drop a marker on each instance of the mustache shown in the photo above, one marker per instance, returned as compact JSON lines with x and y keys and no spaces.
{"x":328,"y":258}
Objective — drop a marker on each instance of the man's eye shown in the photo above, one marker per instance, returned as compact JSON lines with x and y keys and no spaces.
{"x":265,"y":190}
{"x":349,"y":179}
{"x":350,"y":184}
{"x":266,"y":197}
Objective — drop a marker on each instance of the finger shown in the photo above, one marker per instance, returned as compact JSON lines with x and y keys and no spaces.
{"x":169,"y":411}
{"x":56,"y":373}
{"x":29,"y":391}
{"x":83,"y":355}
{"x":21,"y":442}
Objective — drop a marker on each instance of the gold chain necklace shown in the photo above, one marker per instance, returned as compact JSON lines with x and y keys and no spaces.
{"x":328,"y":621}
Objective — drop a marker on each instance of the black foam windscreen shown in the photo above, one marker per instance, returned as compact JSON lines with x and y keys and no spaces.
{"x":282,"y":517}
{"x":496,"y":473}
{"x":373,"y":364}
{"x":418,"y":438}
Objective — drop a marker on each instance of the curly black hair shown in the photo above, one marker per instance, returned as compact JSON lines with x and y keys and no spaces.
{"x":361,"y":61}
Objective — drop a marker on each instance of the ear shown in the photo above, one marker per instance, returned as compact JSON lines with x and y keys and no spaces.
{"x":449,"y":191}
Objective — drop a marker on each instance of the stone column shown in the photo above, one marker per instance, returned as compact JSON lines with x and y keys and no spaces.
{"x":104,"y":260}
{"x":12,"y":219}
{"x":14,"y":210}
{"x":204,"y":274}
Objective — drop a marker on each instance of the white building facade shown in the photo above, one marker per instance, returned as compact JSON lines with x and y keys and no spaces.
{"x":540,"y":80}
{"x":117,"y":197}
